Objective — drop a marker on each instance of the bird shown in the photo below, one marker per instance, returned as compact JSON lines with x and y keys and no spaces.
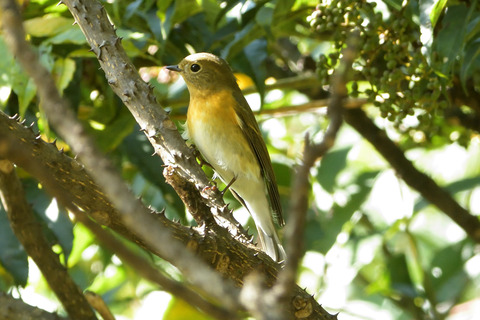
{"x":221,"y":124}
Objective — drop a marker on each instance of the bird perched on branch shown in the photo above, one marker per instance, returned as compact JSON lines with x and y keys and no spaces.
{"x":223,"y":127}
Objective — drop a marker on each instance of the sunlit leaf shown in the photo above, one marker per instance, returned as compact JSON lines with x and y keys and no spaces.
{"x":72,"y":35}
{"x":63,"y":71}
{"x":437,"y":11}
{"x":179,"y":310}
{"x":47,"y":26}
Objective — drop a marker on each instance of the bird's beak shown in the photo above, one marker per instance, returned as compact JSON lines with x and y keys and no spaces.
{"x":174,"y":68}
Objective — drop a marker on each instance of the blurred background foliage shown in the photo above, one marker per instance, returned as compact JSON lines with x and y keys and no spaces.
{"x":375,"y":248}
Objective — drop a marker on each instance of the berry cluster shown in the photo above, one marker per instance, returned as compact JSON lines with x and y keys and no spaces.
{"x":393,"y":68}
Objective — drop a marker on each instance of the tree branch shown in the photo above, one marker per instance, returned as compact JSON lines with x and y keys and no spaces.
{"x":61,"y":174}
{"x":310,"y":106}
{"x":132,"y":212}
{"x":139,"y":99}
{"x":298,"y":82}
{"x":29,"y":232}
{"x":227,"y":257}
{"x":269,"y":304}
{"x":419,"y":181}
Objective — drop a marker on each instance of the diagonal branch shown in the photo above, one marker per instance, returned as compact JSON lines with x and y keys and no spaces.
{"x":60,"y":174}
{"x":132,"y":212}
{"x":137,"y":96}
{"x":419,"y":181}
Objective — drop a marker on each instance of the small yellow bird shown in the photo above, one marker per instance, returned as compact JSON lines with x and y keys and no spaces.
{"x":223,"y":127}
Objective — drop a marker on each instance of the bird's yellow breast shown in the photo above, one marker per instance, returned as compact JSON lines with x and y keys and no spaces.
{"x":214,"y":127}
{"x":213,"y":110}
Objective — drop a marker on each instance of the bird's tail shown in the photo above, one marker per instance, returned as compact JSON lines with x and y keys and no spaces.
{"x":271,"y":245}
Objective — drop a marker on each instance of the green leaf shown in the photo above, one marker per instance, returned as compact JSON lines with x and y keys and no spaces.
{"x":132,"y":8}
{"x":7,"y":63}
{"x":139,"y":152}
{"x":63,"y":71}
{"x":57,"y":227}
{"x":211,"y":10}
{"x":437,"y":11}
{"x":73,"y":35}
{"x":110,"y":132}
{"x":447,"y":274}
{"x":12,"y":255}
{"x":47,"y":26}
{"x":25,"y":94}
{"x":283,"y":7}
{"x":242,"y":38}
{"x":178,"y":12}
{"x":180,"y":310}
{"x":256,"y":54}
{"x":473,"y":27}
{"x":449,"y":43}
{"x":395,"y":4}
{"x":264,"y":16}
{"x":83,"y":238}
{"x":332,"y":163}
{"x":399,"y":276}
{"x":471,"y":57}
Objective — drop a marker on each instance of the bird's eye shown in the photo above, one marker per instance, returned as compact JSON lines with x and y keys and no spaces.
{"x":195,"y":67}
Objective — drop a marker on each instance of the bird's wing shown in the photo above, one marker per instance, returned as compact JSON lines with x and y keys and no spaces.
{"x":253,"y":135}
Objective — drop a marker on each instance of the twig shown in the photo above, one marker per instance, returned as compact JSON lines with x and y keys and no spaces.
{"x":29,"y":232}
{"x":132,"y":212}
{"x":294,"y":234}
{"x":419,"y":181}
{"x":298,"y":82}
{"x":270,"y":304}
{"x":310,"y":106}
{"x":97,"y":303}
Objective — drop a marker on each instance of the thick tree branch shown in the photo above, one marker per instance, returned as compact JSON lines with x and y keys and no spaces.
{"x":419,"y":181}
{"x":132,"y":212}
{"x":139,"y":99}
{"x":228,"y":257}
{"x":29,"y":232}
